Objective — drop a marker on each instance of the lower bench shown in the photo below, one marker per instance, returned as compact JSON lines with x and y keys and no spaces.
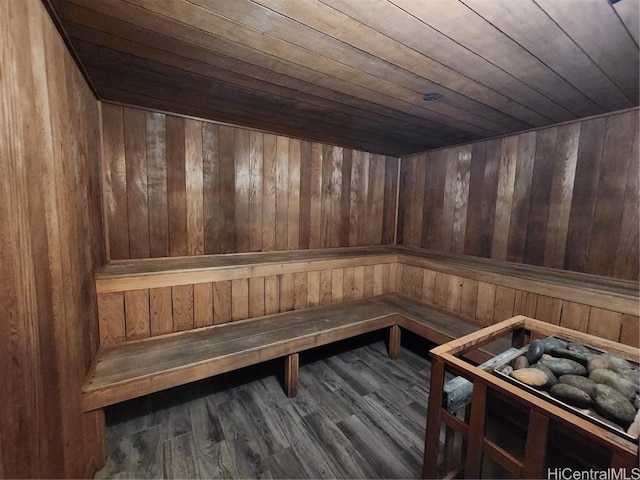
{"x":136,"y":368}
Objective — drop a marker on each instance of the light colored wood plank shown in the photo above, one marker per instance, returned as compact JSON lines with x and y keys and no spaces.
{"x":358,"y":282}
{"x":575,"y":316}
{"x":242,"y":191}
{"x":112,"y":318}
{"x":505,"y":301}
{"x":316,"y":196}
{"x":300,"y":293}
{"x":367,"y":288}
{"x":441,"y":289}
{"x":211,"y":186}
{"x":469,"y":298}
{"x":548,"y":309}
{"x":561,"y":195}
{"x":506,"y":183}
{"x":605,"y":324}
{"x":269,"y":193}
{"x":203,"y":304}
{"x":239,"y":299}
{"x":486,"y":303}
{"x":195,"y":187}
{"x":454,"y":294}
{"x":336,"y":195}
{"x":378,"y":279}
{"x":256,"y":297}
{"x":293,"y":220}
{"x":337,"y":285}
{"x":526,"y":304}
{"x":182,"y":307}
{"x":137,"y":318}
{"x":221,"y":302}
{"x":157,"y":185}
{"x":287,"y":292}
{"x":291,"y":375}
{"x":313,"y":292}
{"x":137,"y":189}
{"x":325,"y":287}
{"x":428,"y":286}
{"x":348,"y":283}
{"x":176,"y":186}
{"x":271,"y":294}
{"x":256,"y":190}
{"x":161,"y":311}
{"x":282,"y":198}
{"x":630,"y":330}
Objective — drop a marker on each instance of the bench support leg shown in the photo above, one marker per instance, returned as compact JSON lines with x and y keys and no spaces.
{"x":394,"y":342}
{"x":291,"y":375}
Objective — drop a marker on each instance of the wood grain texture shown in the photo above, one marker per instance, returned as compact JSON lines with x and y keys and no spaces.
{"x":52,"y":244}
{"x":560,"y":197}
{"x":188,"y":187}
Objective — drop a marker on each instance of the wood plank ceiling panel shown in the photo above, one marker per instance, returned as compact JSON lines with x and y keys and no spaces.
{"x":353,"y":73}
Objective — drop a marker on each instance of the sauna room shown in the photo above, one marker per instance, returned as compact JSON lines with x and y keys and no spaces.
{"x":319,"y":239}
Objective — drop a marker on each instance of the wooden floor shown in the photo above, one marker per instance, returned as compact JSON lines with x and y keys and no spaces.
{"x":357,"y":415}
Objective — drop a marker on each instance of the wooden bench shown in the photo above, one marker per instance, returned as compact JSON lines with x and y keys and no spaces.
{"x":266,"y":298}
{"x":132,"y":369}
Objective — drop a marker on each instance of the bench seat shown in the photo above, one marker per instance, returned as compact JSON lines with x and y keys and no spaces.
{"x":136,"y":368}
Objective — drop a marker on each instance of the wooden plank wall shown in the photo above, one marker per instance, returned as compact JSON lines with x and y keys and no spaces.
{"x":143,"y":313}
{"x":177,"y":186}
{"x":489,"y":303}
{"x":52,"y":243}
{"x":562,"y":197}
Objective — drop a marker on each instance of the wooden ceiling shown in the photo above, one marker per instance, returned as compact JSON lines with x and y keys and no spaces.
{"x":354,"y":72}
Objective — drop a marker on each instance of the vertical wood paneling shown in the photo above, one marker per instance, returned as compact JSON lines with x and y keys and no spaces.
{"x":548,"y":309}
{"x":315,"y":206}
{"x":348,"y":283}
{"x":505,"y":302}
{"x":271,"y":295}
{"x":325,"y":287}
{"x":293,"y":190}
{"x":211,"y":187}
{"x":614,"y":169}
{"x":182,"y":302}
{"x":287,"y":292}
{"x":504,"y":198}
{"x":562,"y":197}
{"x":269,"y":193}
{"x":115,"y":181}
{"x":305,"y":196}
{"x":176,"y":186}
{"x":194,"y":169}
{"x":300,"y":290}
{"x":469,"y":299}
{"x":575,"y":316}
{"x":345,"y":197}
{"x":52,"y":244}
{"x":227,"y":180}
{"x":112,"y":318}
{"x":221,"y":302}
{"x":218,"y":189}
{"x":136,"y":306}
{"x":256,"y":150}
{"x":161,"y":311}
{"x":585,"y":188}
{"x":414,"y":228}
{"x":257,"y":301}
{"x":242,"y":219}
{"x":282,"y":196}
{"x":526,"y":304}
{"x":239,"y":299}
{"x":313,"y":290}
{"x":630,"y":330}
{"x":390,"y":200}
{"x":337,"y":284}
{"x":605,"y":324}
{"x":203,"y":304}
{"x":486,"y":303}
{"x":156,"y":184}
{"x":521,"y":196}
{"x":137,"y":191}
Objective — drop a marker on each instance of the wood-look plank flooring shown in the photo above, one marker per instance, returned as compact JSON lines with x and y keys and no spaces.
{"x":357,"y":414}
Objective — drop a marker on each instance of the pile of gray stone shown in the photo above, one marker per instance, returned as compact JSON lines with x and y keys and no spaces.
{"x":604,"y":386}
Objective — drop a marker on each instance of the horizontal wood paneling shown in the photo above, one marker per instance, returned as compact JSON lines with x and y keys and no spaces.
{"x":178,"y":187}
{"x":135,"y":313}
{"x":52,"y":243}
{"x":562,"y":197}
